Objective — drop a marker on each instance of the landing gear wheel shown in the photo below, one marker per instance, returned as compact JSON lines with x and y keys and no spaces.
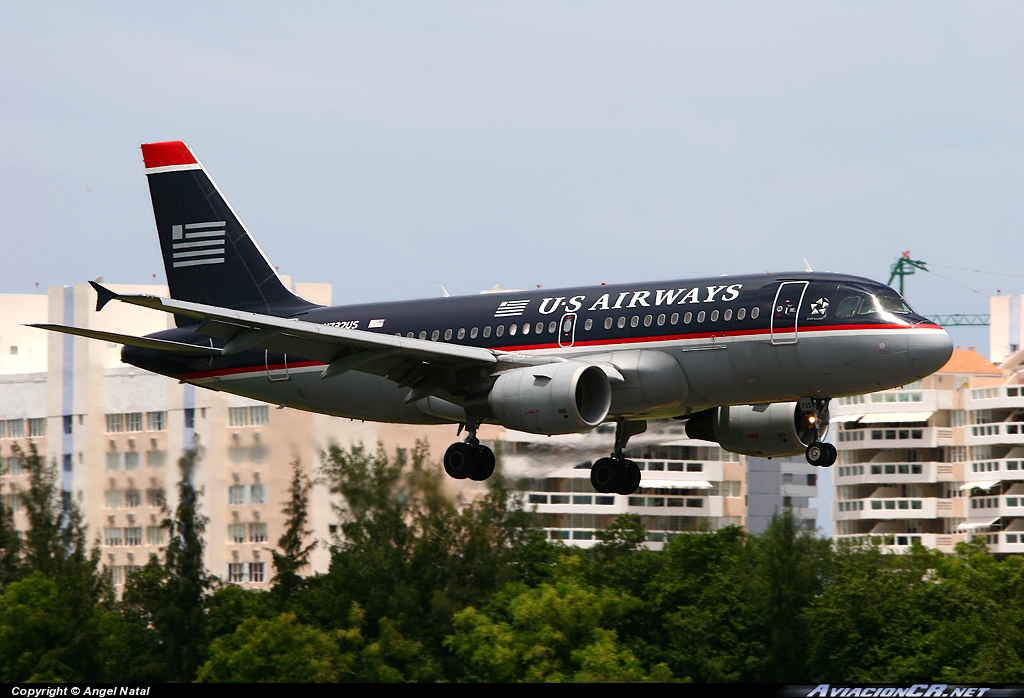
{"x":833,"y":454}
{"x":605,"y":475}
{"x":485,"y":466}
{"x":631,"y":479}
{"x":818,"y":454}
{"x":461,"y":459}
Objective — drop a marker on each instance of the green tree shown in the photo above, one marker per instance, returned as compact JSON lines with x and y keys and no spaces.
{"x":294,"y":552}
{"x":167,"y":599}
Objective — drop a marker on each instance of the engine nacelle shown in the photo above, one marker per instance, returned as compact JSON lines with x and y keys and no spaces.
{"x":779,"y":429}
{"x":557,"y":398}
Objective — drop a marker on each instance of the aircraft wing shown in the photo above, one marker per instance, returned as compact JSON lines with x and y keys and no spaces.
{"x":179,"y":348}
{"x":422,"y":365}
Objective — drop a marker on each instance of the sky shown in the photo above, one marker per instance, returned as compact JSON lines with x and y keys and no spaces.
{"x":390,"y":147}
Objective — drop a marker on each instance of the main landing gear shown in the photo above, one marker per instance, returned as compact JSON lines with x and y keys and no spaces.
{"x":819,"y":453}
{"x":469,"y":458}
{"x":617,"y":474}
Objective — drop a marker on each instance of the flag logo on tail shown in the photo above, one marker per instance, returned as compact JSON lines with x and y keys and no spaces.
{"x":193,"y":244}
{"x":511,"y":308}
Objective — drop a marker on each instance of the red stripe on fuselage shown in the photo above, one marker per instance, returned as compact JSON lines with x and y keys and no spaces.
{"x":587,"y":343}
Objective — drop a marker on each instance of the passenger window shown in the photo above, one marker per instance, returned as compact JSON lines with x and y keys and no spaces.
{"x":674,"y":319}
{"x":661,"y":320}
{"x":551,"y":327}
{"x":539,"y":328}
{"x":714,"y":316}
{"x":607,"y":323}
{"x":423,"y":334}
{"x":634,"y":321}
{"x":687,"y":318}
{"x":741,"y":313}
{"x":462,"y":333}
{"x":526,"y":328}
{"x":512,"y":329}
{"x":434,"y":335}
{"x":410,"y":335}
{"x":754,"y":312}
{"x":447,"y":335}
{"x":727,"y":315}
{"x":622,"y":322}
{"x":588,"y":324}
{"x":487,"y":331}
{"x":700,"y":316}
{"x":472,"y":333}
{"x":500,"y":330}
{"x":647,"y":320}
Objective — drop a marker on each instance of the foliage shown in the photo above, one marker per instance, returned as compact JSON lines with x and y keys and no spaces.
{"x":294,"y":552}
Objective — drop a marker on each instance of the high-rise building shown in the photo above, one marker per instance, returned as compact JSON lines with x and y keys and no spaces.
{"x":939,"y":461}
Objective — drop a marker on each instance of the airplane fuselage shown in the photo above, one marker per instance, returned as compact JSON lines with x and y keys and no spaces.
{"x":681,"y":346}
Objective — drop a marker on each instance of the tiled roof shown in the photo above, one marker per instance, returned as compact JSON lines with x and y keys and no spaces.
{"x":969,"y":361}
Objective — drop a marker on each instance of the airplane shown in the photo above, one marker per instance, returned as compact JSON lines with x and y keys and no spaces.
{"x":749,"y":362}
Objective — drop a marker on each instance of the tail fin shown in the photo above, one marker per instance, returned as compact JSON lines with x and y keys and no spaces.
{"x":209,"y":256}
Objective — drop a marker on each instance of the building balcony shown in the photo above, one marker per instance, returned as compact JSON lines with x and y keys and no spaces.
{"x":1007,"y":397}
{"x":902,"y":473}
{"x":1012,"y":505}
{"x":996,"y":469}
{"x":884,"y":508}
{"x":886,"y":437}
{"x":995,"y":433}
{"x":799,"y":490}
{"x":900,"y":543}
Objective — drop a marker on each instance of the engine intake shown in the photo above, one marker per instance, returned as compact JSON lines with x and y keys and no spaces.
{"x":779,"y":429}
{"x":558,"y":398}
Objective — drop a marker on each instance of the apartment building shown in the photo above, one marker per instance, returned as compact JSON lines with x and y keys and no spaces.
{"x":939,"y":461}
{"x":116,"y":434}
{"x":687,"y":486}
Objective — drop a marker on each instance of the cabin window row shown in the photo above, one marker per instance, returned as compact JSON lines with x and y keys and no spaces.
{"x":588,"y":324}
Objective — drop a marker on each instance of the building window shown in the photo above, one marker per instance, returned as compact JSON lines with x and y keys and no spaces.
{"x":190,"y":418}
{"x":133,"y":535}
{"x":236,"y":533}
{"x":112,"y":536}
{"x":155,"y":497}
{"x":68,"y":461}
{"x":15,"y":465}
{"x":115,"y":423}
{"x":236,"y":494}
{"x":114,"y":461}
{"x":257,"y":533}
{"x":16,"y":428}
{"x":256,"y":571}
{"x":68,"y":423}
{"x":116,"y":573}
{"x":238,"y":416}
{"x":133,"y":498}
{"x":156,"y":459}
{"x":13,"y":502}
{"x":134,"y":420}
{"x":155,"y":535}
{"x":258,"y":494}
{"x":131,"y":460}
{"x":155,"y":421}
{"x":259,"y":415}
{"x":236,"y":572}
{"x":113,"y":499}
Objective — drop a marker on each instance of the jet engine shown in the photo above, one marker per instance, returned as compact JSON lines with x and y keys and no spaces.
{"x":775,"y":430}
{"x":558,"y":398}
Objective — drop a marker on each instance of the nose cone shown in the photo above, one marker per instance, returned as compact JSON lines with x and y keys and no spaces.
{"x":930,"y":349}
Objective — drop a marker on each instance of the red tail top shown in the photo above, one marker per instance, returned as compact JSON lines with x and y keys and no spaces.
{"x":167,"y":154}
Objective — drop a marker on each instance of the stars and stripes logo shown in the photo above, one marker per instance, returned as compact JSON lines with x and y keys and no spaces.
{"x":511,"y":308}
{"x":378,"y":322}
{"x":193,"y":244}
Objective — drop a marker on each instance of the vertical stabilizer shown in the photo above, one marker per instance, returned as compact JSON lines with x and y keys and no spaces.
{"x":209,"y":255}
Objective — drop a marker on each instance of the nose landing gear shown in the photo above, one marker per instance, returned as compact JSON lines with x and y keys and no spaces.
{"x":469,"y":458}
{"x":819,"y":453}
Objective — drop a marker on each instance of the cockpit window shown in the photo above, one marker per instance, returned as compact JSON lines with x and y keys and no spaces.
{"x":857,"y":306}
{"x":894,"y":304}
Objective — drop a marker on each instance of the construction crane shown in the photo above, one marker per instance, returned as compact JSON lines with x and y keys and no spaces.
{"x":904,"y":266}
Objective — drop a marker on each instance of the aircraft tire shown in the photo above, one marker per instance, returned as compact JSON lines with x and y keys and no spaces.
{"x":605,"y":475}
{"x":833,"y":455}
{"x":818,"y":454}
{"x":631,"y":477}
{"x":460,"y":460}
{"x":485,"y":466}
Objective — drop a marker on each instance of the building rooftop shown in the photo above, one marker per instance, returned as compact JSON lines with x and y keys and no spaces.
{"x":969,"y":361}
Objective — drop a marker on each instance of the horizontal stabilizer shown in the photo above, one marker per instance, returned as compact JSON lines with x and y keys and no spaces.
{"x":179,"y":348}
